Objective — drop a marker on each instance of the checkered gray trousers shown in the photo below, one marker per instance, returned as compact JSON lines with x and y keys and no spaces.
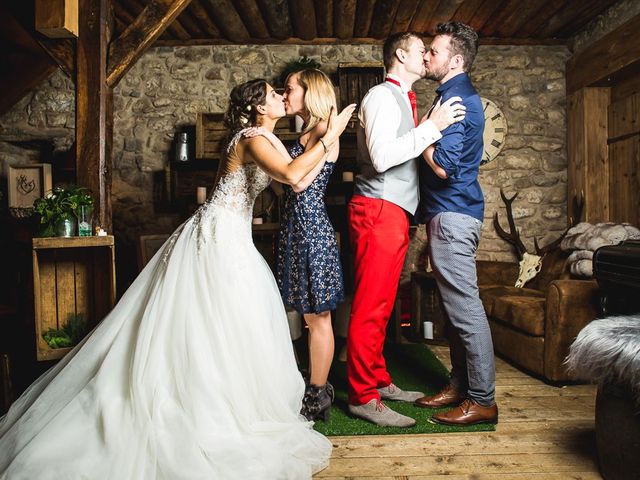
{"x":453,"y":241}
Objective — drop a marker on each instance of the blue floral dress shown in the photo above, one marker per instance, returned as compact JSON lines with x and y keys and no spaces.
{"x":309,"y":269}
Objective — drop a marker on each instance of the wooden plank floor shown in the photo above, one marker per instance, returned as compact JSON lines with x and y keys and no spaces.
{"x":545,"y":433}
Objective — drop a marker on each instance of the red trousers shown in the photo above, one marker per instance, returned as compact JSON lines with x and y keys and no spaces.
{"x":379,"y":234}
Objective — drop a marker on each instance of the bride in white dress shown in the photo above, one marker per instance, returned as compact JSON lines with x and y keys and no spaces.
{"x":192,"y":375}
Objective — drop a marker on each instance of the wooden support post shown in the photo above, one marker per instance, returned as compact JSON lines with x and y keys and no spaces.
{"x":94,"y":107}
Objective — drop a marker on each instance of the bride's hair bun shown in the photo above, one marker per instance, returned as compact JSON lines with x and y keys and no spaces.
{"x":243,"y":101}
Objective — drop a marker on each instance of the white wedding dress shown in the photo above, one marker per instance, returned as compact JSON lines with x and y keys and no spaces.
{"x":191,"y":376}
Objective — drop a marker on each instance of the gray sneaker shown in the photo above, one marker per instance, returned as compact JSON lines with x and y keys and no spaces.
{"x":377,"y":412}
{"x":393,"y":392}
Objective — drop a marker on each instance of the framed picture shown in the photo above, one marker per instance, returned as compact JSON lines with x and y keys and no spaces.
{"x":27,"y":183}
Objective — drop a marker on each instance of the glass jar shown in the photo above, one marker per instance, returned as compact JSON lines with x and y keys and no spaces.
{"x":85,"y":227}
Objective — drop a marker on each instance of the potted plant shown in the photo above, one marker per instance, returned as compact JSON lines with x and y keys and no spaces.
{"x":297,"y":65}
{"x":60,"y":207}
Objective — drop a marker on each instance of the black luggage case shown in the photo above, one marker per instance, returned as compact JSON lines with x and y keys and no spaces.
{"x":617,"y":270}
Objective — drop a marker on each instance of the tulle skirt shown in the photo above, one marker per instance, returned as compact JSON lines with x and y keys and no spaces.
{"x":191,"y":376}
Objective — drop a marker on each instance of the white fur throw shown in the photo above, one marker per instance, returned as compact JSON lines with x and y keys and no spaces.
{"x":608,"y":350}
{"x":586,"y":239}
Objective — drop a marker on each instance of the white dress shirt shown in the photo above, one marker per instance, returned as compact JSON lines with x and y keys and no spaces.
{"x":380,"y":117}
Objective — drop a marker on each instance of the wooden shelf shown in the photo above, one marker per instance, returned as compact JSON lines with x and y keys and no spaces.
{"x":71,"y":276}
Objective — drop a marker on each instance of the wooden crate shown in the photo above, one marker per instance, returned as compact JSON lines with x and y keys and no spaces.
{"x":71,"y":276}
{"x":355,"y":80}
{"x":211,"y":134}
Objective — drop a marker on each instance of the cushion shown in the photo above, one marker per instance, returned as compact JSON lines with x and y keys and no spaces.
{"x":525,"y":313}
{"x":489,"y":294}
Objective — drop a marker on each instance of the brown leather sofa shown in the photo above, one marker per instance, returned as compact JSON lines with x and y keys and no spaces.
{"x":534,"y":326}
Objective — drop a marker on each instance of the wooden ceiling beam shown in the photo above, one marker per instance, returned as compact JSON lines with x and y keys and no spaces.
{"x":485,"y":12}
{"x":468,"y":9}
{"x":324,"y":17}
{"x":577,"y":23}
{"x":344,"y":14}
{"x":500,"y":18}
{"x":133,"y":42}
{"x":202,"y":17}
{"x":303,"y":17}
{"x":525,"y":13}
{"x":24,"y":78}
{"x":276,"y":13}
{"x":251,"y":16}
{"x":615,"y":52}
{"x":350,"y":41}
{"x":423,"y":14}
{"x":190,"y":23}
{"x":569,"y":11}
{"x":539,"y":18}
{"x":63,"y":52}
{"x":405,"y":13}
{"x":175,"y":28}
{"x":383,"y":15}
{"x":227,"y":20}
{"x":445,"y":11}
{"x":364,"y":14}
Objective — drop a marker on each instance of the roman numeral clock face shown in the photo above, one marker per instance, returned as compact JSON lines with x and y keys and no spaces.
{"x":495,"y":130}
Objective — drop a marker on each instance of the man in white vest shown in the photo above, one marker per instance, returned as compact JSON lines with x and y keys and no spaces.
{"x":390,"y":141}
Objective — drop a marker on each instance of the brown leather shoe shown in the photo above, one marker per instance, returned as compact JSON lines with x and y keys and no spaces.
{"x":468,"y":413}
{"x":444,"y":398}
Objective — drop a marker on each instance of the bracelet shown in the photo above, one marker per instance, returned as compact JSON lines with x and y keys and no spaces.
{"x":323,"y":145}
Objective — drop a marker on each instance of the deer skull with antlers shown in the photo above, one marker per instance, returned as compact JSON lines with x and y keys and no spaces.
{"x":530,"y":263}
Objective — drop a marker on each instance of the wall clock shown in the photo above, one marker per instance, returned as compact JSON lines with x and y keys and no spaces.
{"x":495,"y":130}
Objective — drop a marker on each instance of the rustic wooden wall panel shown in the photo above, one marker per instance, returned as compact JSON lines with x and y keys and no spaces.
{"x":624,"y":191}
{"x":624,"y":159}
{"x":625,"y":88}
{"x":588,"y":166}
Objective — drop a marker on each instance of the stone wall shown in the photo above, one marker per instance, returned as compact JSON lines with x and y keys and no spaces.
{"x":168,"y":86}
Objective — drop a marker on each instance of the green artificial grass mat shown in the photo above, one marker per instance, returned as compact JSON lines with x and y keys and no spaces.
{"x":412,"y":367}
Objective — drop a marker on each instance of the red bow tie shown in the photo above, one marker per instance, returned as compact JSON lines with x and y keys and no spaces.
{"x":412,"y":100}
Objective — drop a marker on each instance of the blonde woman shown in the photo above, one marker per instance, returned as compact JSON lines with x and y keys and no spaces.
{"x":309,"y":269}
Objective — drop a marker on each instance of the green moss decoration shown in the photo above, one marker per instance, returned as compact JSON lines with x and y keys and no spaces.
{"x":69,"y":335}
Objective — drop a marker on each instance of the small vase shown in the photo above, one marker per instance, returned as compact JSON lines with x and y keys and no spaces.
{"x":65,"y":227}
{"x":84,"y":220}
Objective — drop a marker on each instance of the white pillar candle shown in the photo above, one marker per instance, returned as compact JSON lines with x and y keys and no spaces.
{"x":427,"y":330}
{"x":201,"y":195}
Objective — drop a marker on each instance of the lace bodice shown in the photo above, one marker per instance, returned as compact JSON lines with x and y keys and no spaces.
{"x":239,"y":189}
{"x":234,"y":194}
